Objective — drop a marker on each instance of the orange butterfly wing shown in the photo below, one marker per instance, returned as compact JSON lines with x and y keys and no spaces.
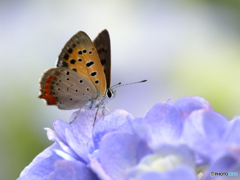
{"x":102,"y":44}
{"x":80,"y":55}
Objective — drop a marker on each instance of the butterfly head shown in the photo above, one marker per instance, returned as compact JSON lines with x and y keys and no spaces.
{"x":110,"y":93}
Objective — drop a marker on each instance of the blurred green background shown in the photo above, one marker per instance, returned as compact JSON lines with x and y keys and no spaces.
{"x":183,"y":48}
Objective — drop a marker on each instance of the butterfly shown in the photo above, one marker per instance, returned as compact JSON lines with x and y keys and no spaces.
{"x":82,"y":76}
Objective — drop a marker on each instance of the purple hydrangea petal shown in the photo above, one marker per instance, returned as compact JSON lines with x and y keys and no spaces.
{"x":42,"y":169}
{"x":109,"y":123}
{"x":77,"y":145}
{"x":165,"y":123}
{"x":123,"y":147}
{"x":183,"y":152}
{"x":165,"y":158}
{"x":225,"y":161}
{"x":187,"y":105}
{"x":179,"y":173}
{"x":202,"y":131}
{"x":71,"y":170}
{"x":142,"y":131}
{"x":43,"y":155}
{"x":82,"y":126}
{"x":77,"y":135}
{"x":232,"y":135}
{"x":214,"y":125}
{"x":64,"y":155}
{"x":98,"y":169}
{"x":60,"y":127}
{"x":118,"y":152}
{"x":53,"y":136}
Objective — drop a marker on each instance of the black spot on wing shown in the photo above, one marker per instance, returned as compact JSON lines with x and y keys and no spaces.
{"x":70,"y":50}
{"x":103,"y":62}
{"x":72,"y":61}
{"x":94,"y":73}
{"x":89,"y":64}
{"x":66,"y":56}
{"x":64,"y":64}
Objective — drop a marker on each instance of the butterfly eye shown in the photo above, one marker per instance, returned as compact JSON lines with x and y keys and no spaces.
{"x":109,"y":93}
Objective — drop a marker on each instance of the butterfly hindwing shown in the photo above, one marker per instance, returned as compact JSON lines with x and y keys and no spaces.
{"x":80,"y":55}
{"x":102,"y":44}
{"x":66,"y":89}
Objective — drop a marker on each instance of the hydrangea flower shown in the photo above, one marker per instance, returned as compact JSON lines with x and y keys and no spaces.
{"x":173,"y":141}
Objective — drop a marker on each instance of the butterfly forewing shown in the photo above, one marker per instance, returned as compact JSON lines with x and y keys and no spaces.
{"x":102,"y":44}
{"x":80,"y":55}
{"x":66,"y":88}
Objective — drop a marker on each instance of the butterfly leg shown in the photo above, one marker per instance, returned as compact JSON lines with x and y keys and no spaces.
{"x":104,"y":111}
{"x":95,"y":116}
{"x":76,"y":115}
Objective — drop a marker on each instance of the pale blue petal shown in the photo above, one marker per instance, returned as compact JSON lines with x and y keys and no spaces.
{"x":42,"y":169}
{"x":71,"y":170}
{"x":187,"y":105}
{"x":232,"y":135}
{"x":164,"y":122}
{"x":53,"y":136}
{"x":179,"y":173}
{"x":43,"y":155}
{"x":109,"y":123}
{"x":119,"y":152}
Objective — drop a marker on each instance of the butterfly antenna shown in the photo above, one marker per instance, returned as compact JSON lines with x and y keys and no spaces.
{"x":116,"y":85}
{"x":120,"y":84}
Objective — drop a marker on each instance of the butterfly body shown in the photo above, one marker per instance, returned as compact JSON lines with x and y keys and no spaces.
{"x":82,"y":76}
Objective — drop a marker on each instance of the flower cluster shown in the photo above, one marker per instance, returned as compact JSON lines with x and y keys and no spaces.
{"x":182,"y":140}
